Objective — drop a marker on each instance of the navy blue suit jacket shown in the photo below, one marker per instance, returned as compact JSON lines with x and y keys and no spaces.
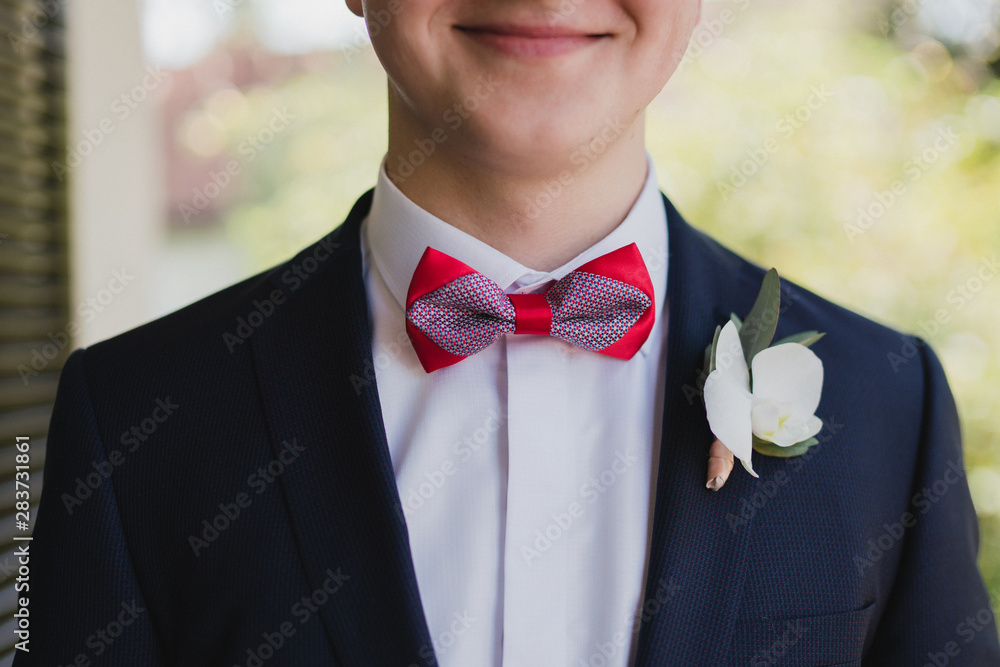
{"x":218,"y":491}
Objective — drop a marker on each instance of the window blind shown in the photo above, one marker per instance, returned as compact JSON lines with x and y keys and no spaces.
{"x":35,"y":329}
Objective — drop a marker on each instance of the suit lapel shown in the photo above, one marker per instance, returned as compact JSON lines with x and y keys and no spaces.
{"x":313,"y":358}
{"x":698,"y":559}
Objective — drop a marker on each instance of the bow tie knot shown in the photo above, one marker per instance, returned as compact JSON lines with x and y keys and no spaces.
{"x":454,"y":312}
{"x":532,"y":314}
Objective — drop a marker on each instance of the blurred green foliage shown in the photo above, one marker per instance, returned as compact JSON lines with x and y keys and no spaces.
{"x":825,"y":117}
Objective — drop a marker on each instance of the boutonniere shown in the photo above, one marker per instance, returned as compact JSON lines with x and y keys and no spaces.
{"x":760,"y":395}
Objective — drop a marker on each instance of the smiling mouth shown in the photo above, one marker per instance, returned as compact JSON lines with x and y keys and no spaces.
{"x":530,"y":41}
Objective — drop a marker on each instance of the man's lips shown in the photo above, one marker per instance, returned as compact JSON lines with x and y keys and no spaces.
{"x":530,"y":40}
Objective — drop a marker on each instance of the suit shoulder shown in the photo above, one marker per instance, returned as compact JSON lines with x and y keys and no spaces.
{"x":795,"y":296}
{"x":209,"y":316}
{"x":867,"y":347}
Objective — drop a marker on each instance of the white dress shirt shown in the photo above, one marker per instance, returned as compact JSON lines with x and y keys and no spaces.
{"x":526,"y":471}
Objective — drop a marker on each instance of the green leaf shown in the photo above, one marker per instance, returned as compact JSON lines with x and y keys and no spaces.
{"x":806,"y":338}
{"x":714,"y":348}
{"x":736,"y":320}
{"x":759,"y":326}
{"x":770,"y":449}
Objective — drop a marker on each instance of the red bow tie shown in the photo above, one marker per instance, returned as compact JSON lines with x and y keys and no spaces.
{"x":453,"y":312}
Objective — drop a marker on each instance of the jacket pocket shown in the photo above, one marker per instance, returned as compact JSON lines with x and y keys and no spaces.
{"x":828,"y":640}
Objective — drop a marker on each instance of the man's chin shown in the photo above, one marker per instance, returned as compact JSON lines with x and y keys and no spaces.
{"x":538,"y":129}
{"x":512,"y":154}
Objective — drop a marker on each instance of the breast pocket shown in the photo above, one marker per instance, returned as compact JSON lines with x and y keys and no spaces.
{"x":830,"y":640}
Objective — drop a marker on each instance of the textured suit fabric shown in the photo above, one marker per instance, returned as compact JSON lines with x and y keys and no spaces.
{"x":275,"y":413}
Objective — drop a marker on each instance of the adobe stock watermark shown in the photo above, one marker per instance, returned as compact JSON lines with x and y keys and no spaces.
{"x":581,"y":159}
{"x":725,"y":358}
{"x":296,"y":275}
{"x":923,"y":501}
{"x":131,"y":439}
{"x":454,"y":117}
{"x":913,"y":169}
{"x":121,"y":108}
{"x":960,"y":295}
{"x":447,"y":638}
{"x":43,"y":13}
{"x":562,"y":12}
{"x":786,"y":127}
{"x":620,"y":643}
{"x":259,"y":481}
{"x":462,"y":451}
{"x":248,"y":149}
{"x":967,"y":631}
{"x":958,"y":298}
{"x":707,"y":31}
{"x":383,"y":356}
{"x":589,"y":493}
{"x":9,"y":567}
{"x":567,"y":8}
{"x":779,"y":648}
{"x":304,"y":610}
{"x":224,"y":7}
{"x":247,"y":325}
{"x":375,"y":22}
{"x":21,"y":618}
{"x":766,"y":490}
{"x":899,"y":16}
{"x":87,"y":311}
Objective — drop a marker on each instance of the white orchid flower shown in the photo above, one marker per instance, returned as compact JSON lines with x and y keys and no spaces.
{"x":779,"y":408}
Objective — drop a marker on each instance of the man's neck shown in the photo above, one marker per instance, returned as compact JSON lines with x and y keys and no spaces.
{"x":541,"y":219}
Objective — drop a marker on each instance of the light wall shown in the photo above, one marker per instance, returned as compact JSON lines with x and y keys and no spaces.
{"x":114,"y":168}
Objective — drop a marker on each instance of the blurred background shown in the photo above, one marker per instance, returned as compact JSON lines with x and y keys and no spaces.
{"x":152,"y":152}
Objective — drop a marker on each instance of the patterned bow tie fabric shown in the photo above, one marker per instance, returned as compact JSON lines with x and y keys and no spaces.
{"x":453,"y":312}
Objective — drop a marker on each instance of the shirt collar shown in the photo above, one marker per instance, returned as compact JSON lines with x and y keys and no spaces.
{"x":397,"y":231}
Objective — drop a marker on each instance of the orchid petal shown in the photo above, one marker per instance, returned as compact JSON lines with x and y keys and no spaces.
{"x":729,"y":359}
{"x":728,"y":408}
{"x":788,"y":374}
{"x":727,"y":396}
{"x":793,"y":431}
{"x":764,"y":417}
{"x":813,"y":426}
